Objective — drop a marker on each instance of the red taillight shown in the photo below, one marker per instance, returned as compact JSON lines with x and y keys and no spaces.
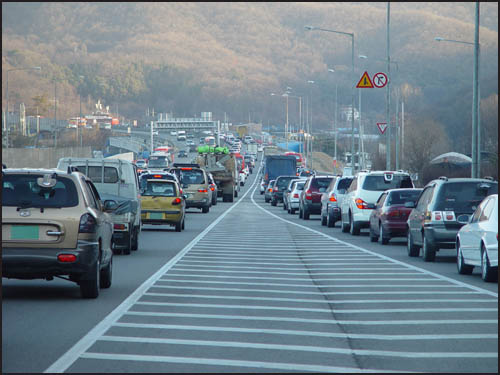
{"x":202,"y":190}
{"x":361,"y":204}
{"x":157,"y":176}
{"x":270,"y":189}
{"x":212,"y":188}
{"x":88,"y":224}
{"x":186,"y":169}
{"x":393,"y":214}
{"x":66,"y":258}
{"x":309,"y":194}
{"x":120,"y":226}
{"x":295,"y":195}
{"x":436,"y":215}
{"x":176,"y":201}
{"x":333,"y":198}
{"x":296,"y":174}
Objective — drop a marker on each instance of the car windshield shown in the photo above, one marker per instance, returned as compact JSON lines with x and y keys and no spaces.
{"x":159,"y":188}
{"x":158,"y":162}
{"x":403,"y":196}
{"x":464,"y":197}
{"x":24,"y":191}
{"x":380,"y":183}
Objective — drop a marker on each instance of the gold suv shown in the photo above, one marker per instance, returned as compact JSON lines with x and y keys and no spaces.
{"x":195,"y":185}
{"x":55,"y":225}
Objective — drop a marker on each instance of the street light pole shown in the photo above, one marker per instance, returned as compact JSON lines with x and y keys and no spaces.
{"x":388,"y":96}
{"x":310,"y":126}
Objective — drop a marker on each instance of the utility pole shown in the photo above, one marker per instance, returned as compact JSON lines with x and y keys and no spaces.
{"x":336,"y":127}
{"x":55,"y":114}
{"x":388,"y":96}
{"x":398,"y":137}
{"x":475,"y":173}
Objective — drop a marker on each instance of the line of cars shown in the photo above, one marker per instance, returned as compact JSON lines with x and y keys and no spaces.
{"x":448,"y":213}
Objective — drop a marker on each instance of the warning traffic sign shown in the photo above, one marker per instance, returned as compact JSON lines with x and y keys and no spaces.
{"x":382,"y":126}
{"x":365,"y":82}
{"x":380,"y":80}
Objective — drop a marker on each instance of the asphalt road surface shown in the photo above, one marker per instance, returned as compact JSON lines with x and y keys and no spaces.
{"x":250,"y":288}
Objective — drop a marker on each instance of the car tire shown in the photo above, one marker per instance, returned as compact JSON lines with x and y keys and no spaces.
{"x":266,"y":200}
{"x":235,"y":194}
{"x":345,"y":227}
{"x":305,"y":214}
{"x":373,"y":237}
{"x":353,"y":226}
{"x":89,"y":287}
{"x":323,"y":220}
{"x":107,"y":275}
{"x":428,"y":250}
{"x":462,"y":268}
{"x":292,"y":211}
{"x":178,"y":226}
{"x":205,"y":209}
{"x":488,"y":273}
{"x":214,"y":201}
{"x":273,"y":203}
{"x":330,"y":222}
{"x":183,"y":223}
{"x":284,"y":206}
{"x":300,"y":213}
{"x":135,"y":240}
{"x":413,"y":250}
{"x":128,"y":247}
{"x":383,"y":239}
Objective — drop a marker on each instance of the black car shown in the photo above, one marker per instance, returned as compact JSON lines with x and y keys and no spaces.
{"x":182,"y":154}
{"x":279,"y":187}
{"x":433,"y":223}
{"x":310,"y":197}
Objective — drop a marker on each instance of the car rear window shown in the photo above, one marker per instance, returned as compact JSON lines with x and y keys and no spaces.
{"x":320,"y":183}
{"x":23,"y":191}
{"x":95,"y":173}
{"x":284,"y":181}
{"x":344,"y":183}
{"x":193,"y":176}
{"x":160,"y":188}
{"x":379,"y":183}
{"x":465,"y":196}
{"x":401,"y":197}
{"x":300,"y":185}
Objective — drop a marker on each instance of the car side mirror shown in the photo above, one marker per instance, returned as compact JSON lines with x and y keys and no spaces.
{"x":464,"y":219}
{"x":371,"y":206}
{"x":410,"y":204}
{"x":184,"y":196}
{"x":110,"y":205}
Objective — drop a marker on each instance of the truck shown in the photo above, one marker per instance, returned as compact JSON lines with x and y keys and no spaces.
{"x":252,"y":149}
{"x":224,"y":169}
{"x":279,"y":165}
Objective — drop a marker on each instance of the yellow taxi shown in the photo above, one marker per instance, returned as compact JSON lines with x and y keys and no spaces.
{"x":162,"y":203}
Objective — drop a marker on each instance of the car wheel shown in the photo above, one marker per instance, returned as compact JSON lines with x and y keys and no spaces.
{"x":383,"y":238}
{"x":273,"y":203}
{"x":235,"y":195}
{"x":266,"y":200}
{"x":178,"y":226}
{"x":205,"y":209}
{"x":428,"y":250}
{"x":345,"y":227}
{"x":487,"y":272}
{"x":284,"y":206}
{"x":323,"y":220}
{"x":463,"y":269}
{"x":413,"y":250}
{"x":305,"y":214}
{"x":373,"y":236}
{"x":214,"y":201}
{"x":353,"y":227}
{"x":128,"y":247}
{"x":135,"y":241}
{"x":300,"y":213}
{"x":330,"y":223}
{"x":292,"y":211}
{"x":107,"y":275}
{"x":183,"y":224}
{"x":261,"y":192}
{"x":89,"y":287}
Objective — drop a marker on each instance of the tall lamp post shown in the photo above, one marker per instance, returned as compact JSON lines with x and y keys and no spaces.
{"x":79,"y":129}
{"x":300,"y":107}
{"x":476,"y":126}
{"x":309,"y":131}
{"x":352,"y":87}
{"x":7,"y":98}
{"x":335,"y":128}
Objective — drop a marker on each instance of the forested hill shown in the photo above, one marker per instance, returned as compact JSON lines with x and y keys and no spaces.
{"x":227,"y":57}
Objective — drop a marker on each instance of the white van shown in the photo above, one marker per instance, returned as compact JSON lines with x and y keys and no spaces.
{"x":117,"y":180}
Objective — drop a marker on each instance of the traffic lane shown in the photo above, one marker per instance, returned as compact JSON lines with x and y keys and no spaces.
{"x":54,"y":314}
{"x":444,"y":265}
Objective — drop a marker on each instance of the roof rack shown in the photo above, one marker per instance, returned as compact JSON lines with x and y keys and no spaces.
{"x":443,"y":178}
{"x":72,"y":169}
{"x":187,"y":165}
{"x":489,"y":178}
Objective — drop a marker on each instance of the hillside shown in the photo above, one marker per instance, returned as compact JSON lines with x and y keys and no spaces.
{"x":228,"y":57}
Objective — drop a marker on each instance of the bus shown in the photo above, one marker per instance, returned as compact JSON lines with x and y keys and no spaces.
{"x":298,"y":156}
{"x":210,"y":141}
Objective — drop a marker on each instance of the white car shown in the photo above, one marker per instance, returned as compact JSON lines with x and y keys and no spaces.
{"x":477,"y":241}
{"x":243,"y":178}
{"x":260,"y":148}
{"x":173,"y":132}
{"x":293,"y":197}
{"x":363,"y":193}
{"x":262,"y":187}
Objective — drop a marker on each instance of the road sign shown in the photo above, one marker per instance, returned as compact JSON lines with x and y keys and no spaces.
{"x":365,"y":82}
{"x":382,"y":126}
{"x":380,"y":80}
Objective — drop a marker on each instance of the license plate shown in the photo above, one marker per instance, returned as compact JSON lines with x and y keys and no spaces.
{"x":156,"y":215}
{"x":24,"y":232}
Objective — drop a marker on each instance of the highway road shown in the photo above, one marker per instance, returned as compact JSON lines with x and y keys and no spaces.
{"x":250,"y":288}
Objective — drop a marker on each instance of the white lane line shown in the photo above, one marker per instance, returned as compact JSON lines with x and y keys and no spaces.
{"x":315,"y":349}
{"x":281,"y":291}
{"x":200,"y":267}
{"x":316,"y":286}
{"x":226,"y":362}
{"x":201,"y":263}
{"x":316,"y":321}
{"x":245,"y":298}
{"x":215,"y":255}
{"x":306,"y":278}
{"x":305,"y":272}
{"x":68,"y":358}
{"x":467,"y":336}
{"x":430,"y":273}
{"x":342,"y":311}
